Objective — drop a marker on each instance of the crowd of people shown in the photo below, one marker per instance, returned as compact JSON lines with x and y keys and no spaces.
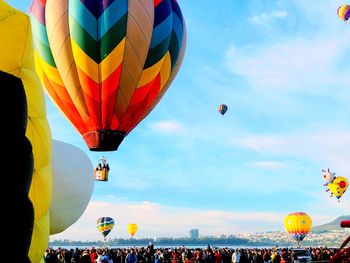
{"x":149,"y":254}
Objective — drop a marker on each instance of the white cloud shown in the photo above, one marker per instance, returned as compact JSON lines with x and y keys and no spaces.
{"x":326,"y":144}
{"x":268,"y":165}
{"x":168,"y":127}
{"x":297,"y":64}
{"x":156,"y":220}
{"x":264,"y":17}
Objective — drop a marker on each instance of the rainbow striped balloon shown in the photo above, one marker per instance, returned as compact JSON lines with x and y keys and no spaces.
{"x":107,"y":63}
{"x":344,"y":12}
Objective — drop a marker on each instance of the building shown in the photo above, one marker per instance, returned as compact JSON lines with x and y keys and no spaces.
{"x":193,"y":234}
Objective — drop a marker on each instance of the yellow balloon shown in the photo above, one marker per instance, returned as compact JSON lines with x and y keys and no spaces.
{"x":298,"y":225}
{"x":40,"y":239}
{"x":16,"y":46}
{"x":132,"y":228}
{"x":338,"y":186}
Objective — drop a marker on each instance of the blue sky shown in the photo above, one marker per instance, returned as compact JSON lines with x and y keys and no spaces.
{"x":282,"y":68}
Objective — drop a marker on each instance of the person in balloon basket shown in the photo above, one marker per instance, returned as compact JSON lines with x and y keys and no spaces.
{"x":131,"y":257}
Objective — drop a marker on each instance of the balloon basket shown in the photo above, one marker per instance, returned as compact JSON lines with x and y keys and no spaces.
{"x":101,"y":175}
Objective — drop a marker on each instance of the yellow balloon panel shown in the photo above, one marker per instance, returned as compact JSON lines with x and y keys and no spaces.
{"x":40,"y":239}
{"x":41,"y":191}
{"x":14,"y":29}
{"x":38,"y":132}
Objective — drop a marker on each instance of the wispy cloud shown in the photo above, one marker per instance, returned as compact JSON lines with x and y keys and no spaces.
{"x":268,"y":165}
{"x":264,"y":17}
{"x":168,"y":127}
{"x":319,"y":144}
{"x":158,"y":220}
{"x":297,"y":64}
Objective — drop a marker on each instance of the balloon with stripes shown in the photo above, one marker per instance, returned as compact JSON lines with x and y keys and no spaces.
{"x":107,"y":63}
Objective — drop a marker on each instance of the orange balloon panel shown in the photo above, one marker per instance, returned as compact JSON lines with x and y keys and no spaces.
{"x":107,"y":63}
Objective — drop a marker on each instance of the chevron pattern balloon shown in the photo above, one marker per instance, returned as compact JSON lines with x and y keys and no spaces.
{"x":105,"y":225}
{"x":107,"y":63}
{"x":344,"y":12}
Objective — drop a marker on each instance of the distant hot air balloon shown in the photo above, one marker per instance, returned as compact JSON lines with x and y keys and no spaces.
{"x":329,"y":177}
{"x":298,"y":225}
{"x":107,"y":64}
{"x":338,"y":187}
{"x":132,"y":228}
{"x":344,"y":12}
{"x":222,"y":109}
{"x":105,"y":225}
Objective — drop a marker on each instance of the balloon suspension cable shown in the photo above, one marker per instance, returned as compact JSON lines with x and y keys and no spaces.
{"x":105,"y":242}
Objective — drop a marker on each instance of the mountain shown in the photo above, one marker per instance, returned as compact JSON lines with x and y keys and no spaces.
{"x":334,"y":225}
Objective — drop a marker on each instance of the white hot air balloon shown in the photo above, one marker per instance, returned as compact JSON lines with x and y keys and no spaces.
{"x":73,"y":184}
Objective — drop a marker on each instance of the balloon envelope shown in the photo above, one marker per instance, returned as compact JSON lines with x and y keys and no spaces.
{"x":338,"y":186}
{"x":106,"y":64}
{"x":73,"y":184}
{"x":344,"y":12}
{"x":298,"y":225}
{"x":105,"y":225}
{"x":16,"y":51}
{"x":132,"y":228}
{"x":222,"y":109}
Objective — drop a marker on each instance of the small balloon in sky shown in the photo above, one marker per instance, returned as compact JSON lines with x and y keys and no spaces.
{"x":105,"y":225}
{"x":344,"y":12}
{"x":222,"y":109}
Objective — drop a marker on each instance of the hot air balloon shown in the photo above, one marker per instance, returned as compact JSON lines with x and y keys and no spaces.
{"x":222,"y":109}
{"x":72,"y":185}
{"x":298,"y":225}
{"x":329,"y":177}
{"x":338,"y":187}
{"x":344,"y":12}
{"x":16,"y":51}
{"x":101,"y":170}
{"x":106,"y":64}
{"x":105,"y":225}
{"x":132,"y":228}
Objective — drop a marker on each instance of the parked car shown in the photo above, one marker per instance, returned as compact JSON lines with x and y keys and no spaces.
{"x":301,"y":254}
{"x":343,"y":254}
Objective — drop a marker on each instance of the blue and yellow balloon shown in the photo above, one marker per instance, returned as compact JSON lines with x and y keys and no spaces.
{"x":222,"y":109}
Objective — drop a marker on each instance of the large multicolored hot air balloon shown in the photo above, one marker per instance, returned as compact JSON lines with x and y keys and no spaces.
{"x":132,"y":228}
{"x":107,"y":63}
{"x":344,"y":12}
{"x":105,"y":225}
{"x":298,"y":225}
{"x":222,"y":109}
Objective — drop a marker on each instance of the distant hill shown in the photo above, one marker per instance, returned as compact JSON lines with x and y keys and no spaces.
{"x":334,"y":225}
